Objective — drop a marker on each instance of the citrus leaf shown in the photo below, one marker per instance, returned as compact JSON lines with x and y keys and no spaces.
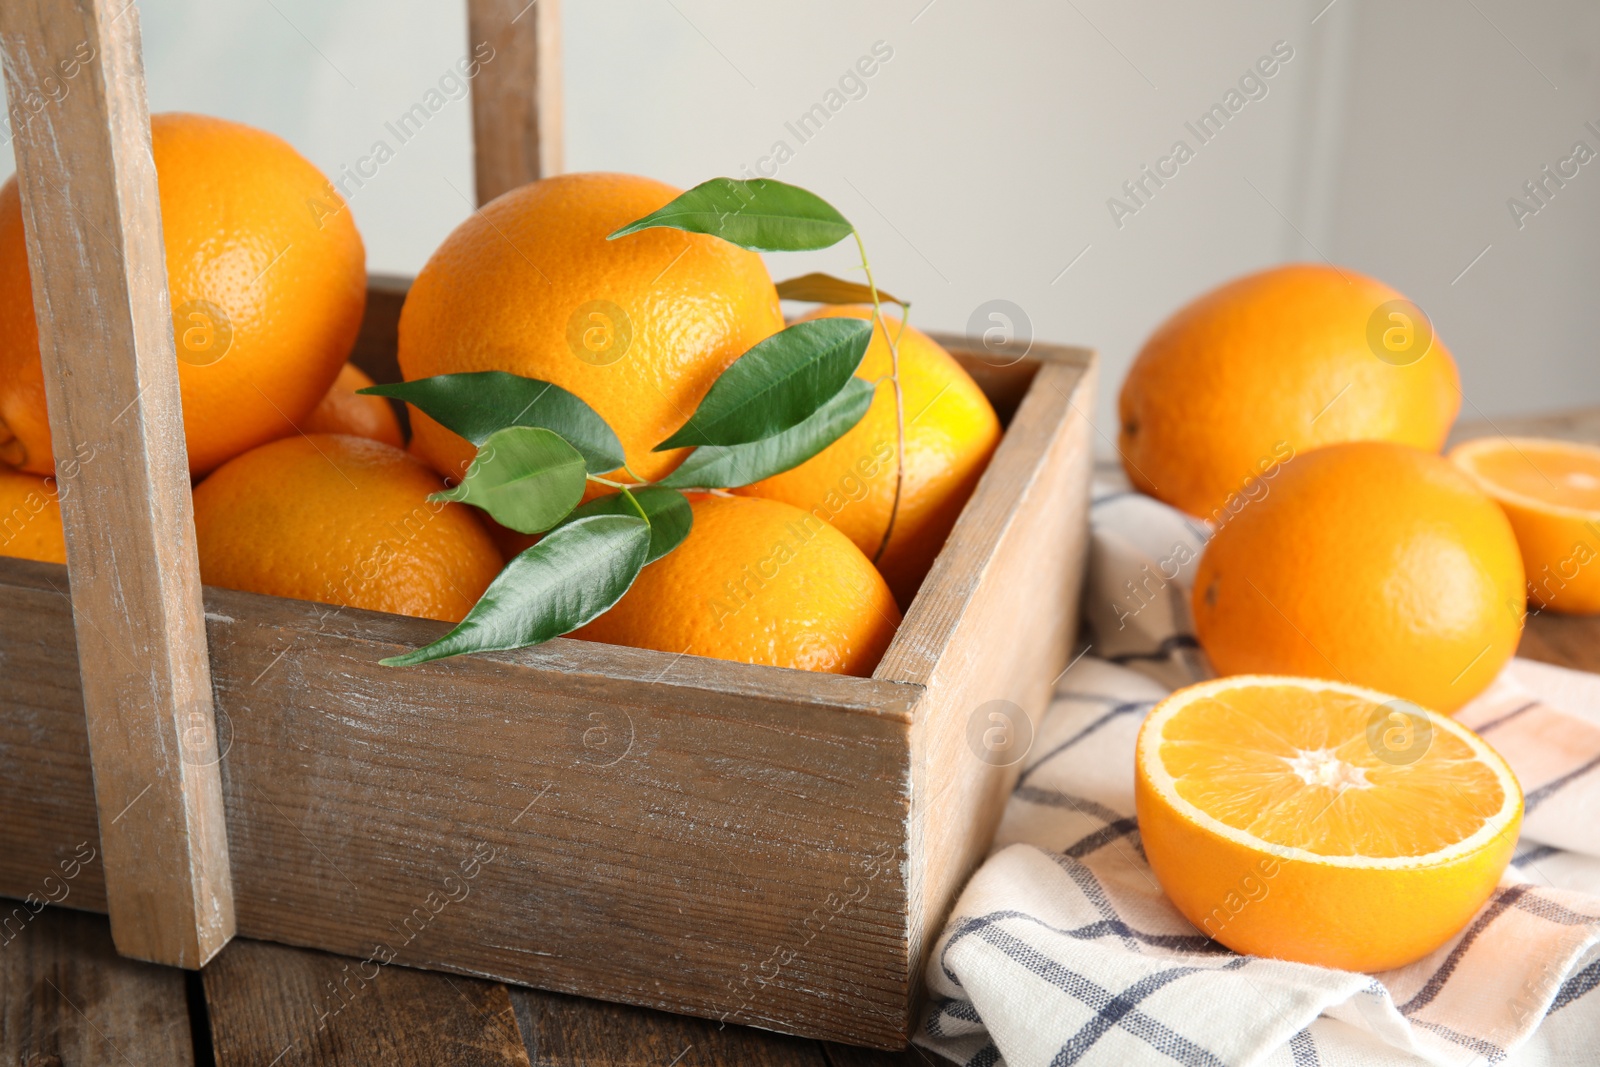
{"x":478,"y":403}
{"x":818,"y":288}
{"x":777,"y":384}
{"x":667,"y":509}
{"x":760,"y":214}
{"x":572,"y":575}
{"x":526,"y":477}
{"x":728,"y":467}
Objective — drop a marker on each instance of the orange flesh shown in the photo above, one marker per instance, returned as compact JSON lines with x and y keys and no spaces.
{"x":1295,"y":768}
{"x":1557,"y":476}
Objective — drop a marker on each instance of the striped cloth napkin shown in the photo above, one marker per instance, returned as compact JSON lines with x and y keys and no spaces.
{"x":1063,"y":950}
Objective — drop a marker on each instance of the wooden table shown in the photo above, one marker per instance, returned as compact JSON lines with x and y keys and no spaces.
{"x":66,"y":999}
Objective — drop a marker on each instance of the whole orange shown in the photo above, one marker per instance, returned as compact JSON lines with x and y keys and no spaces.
{"x":1273,"y":364}
{"x":758,"y":581}
{"x":638,"y":327}
{"x":951,"y":431}
{"x":341,"y":520}
{"x":30,"y":518}
{"x":267,"y":276}
{"x":344,"y":410}
{"x":1370,"y":563}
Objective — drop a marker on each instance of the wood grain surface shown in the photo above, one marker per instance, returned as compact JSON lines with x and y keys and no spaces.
{"x":516,"y":95}
{"x":660,"y":826}
{"x":67,"y":998}
{"x":563,"y":1031}
{"x":93,"y":225}
{"x":986,"y":634}
{"x":269,"y":1004}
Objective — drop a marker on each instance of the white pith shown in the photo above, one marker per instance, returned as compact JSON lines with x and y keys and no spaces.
{"x":1469,"y":452}
{"x":1149,"y":759}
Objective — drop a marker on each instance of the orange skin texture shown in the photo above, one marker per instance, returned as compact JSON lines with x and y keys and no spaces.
{"x":951,"y":432}
{"x":341,"y":520}
{"x":30,"y":518}
{"x":1560,"y":549}
{"x":1253,"y":368}
{"x":343,"y":410}
{"x":240,"y":234}
{"x":1367,"y":562}
{"x":503,"y":288}
{"x":758,"y":581}
{"x":1351,"y":918}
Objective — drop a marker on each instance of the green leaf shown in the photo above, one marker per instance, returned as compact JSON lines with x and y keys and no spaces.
{"x":777,"y":384}
{"x":572,"y":575}
{"x":817,"y":288}
{"x":527,"y":477}
{"x":713,"y":467}
{"x":478,"y":403}
{"x":760,"y":214}
{"x":667,"y":509}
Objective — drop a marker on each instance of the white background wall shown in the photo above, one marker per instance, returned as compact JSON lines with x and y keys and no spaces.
{"x":980,"y":161}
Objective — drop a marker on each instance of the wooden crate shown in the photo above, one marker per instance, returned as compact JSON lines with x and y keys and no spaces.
{"x":755,"y":844}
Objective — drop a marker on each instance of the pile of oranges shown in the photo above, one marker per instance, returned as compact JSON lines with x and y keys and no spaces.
{"x":1316,"y":802}
{"x":306,"y":488}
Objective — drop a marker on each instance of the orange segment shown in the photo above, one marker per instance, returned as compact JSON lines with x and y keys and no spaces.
{"x":1550,"y":490}
{"x":1321,"y":822}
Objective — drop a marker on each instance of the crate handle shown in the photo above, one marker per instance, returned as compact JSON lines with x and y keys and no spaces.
{"x":92,"y":218}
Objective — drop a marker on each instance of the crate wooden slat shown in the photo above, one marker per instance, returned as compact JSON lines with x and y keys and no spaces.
{"x":66,"y":997}
{"x":517,"y":133}
{"x":93,"y":225}
{"x":269,"y":1004}
{"x":677,"y":832}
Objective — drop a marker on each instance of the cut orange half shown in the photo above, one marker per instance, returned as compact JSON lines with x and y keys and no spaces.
{"x":1320,"y":822}
{"x":1550,"y":490}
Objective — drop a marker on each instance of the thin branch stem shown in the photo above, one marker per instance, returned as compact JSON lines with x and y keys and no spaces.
{"x":899,"y":398}
{"x":618,"y":485}
{"x":634,"y":501}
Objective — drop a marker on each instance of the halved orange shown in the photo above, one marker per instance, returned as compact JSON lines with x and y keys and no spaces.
{"x":1550,"y":490}
{"x":1320,"y":822}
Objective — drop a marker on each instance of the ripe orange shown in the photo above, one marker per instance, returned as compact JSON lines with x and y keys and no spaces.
{"x":1550,"y":490}
{"x":1369,"y":563}
{"x":639,"y":327}
{"x":951,"y":431}
{"x":30,"y":518}
{"x":268,"y":281}
{"x":341,"y":520}
{"x":343,"y":410}
{"x":1273,"y":364}
{"x":1321,"y":822}
{"x":758,"y":581}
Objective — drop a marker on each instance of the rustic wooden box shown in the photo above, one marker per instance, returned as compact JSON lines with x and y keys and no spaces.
{"x":761,"y":845}
{"x":764,"y":845}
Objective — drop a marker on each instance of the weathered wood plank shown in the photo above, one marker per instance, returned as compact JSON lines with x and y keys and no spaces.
{"x":93,"y":225}
{"x":377,"y":343}
{"x":1580,"y":424}
{"x":569,"y":1032}
{"x":991,"y":629}
{"x":67,"y":998}
{"x":1565,"y":640}
{"x":273,"y":1004}
{"x":516,"y":95}
{"x":690,"y":834}
{"x":912,"y":1056}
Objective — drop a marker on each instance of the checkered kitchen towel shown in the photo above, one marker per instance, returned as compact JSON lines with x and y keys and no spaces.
{"x":1063,"y":950}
